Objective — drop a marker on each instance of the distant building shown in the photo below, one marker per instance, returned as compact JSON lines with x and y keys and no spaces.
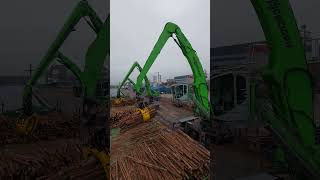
{"x":170,"y":81}
{"x":154,"y":79}
{"x":185,"y":79}
{"x":257,"y":52}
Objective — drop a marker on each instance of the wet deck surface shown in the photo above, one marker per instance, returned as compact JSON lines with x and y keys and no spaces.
{"x":169,"y":114}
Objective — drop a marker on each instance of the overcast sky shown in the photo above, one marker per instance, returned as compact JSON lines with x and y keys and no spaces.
{"x":137,"y":24}
{"x":235,"y":21}
{"x":29,"y":27}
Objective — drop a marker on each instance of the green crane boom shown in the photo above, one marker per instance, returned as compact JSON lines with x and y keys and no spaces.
{"x":291,"y":114}
{"x":200,"y":85}
{"x":126,"y":78}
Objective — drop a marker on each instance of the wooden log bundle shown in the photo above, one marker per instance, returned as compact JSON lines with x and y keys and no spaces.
{"x":117,"y":115}
{"x":152,"y":151}
{"x":56,"y":126}
{"x":123,"y":102}
{"x":130,"y":118}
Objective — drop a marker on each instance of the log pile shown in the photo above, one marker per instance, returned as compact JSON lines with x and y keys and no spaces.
{"x":130,"y":118}
{"x":88,"y":170}
{"x":117,"y":115}
{"x":55,"y":126}
{"x":50,"y":127}
{"x":152,"y":151}
{"x":64,"y":160}
{"x":123,"y":102}
{"x":7,"y":133}
{"x":130,"y":121}
{"x":39,"y":163}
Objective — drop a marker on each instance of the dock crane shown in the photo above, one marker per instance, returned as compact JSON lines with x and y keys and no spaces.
{"x":289,"y":113}
{"x":200,"y":87}
{"x":126,"y":78}
{"x":94,"y":107}
{"x":199,"y":91}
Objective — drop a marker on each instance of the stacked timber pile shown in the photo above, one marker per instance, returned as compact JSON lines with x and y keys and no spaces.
{"x":152,"y":151}
{"x":7,"y":131}
{"x":55,"y":125}
{"x":118,"y":102}
{"x":130,"y":117}
{"x":87,"y":170}
{"x":39,"y":163}
{"x":118,"y":114}
{"x":132,"y":120}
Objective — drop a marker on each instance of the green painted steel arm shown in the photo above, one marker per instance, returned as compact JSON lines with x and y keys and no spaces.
{"x":134,"y":65}
{"x":132,"y":82}
{"x":95,"y":58}
{"x":147,"y":83}
{"x":200,"y":84}
{"x":61,"y":58}
{"x":290,"y":84}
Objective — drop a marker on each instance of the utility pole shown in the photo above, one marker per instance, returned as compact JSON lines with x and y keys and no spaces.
{"x":29,"y":70}
{"x":307,"y":42}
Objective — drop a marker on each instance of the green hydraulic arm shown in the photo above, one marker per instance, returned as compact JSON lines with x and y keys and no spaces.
{"x":131,"y":81}
{"x":95,"y":55}
{"x":147,"y":82}
{"x":200,"y":85}
{"x":62,"y":59}
{"x":290,"y":115}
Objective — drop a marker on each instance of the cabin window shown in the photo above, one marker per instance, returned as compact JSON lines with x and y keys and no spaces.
{"x":223,"y":94}
{"x":185,"y":89}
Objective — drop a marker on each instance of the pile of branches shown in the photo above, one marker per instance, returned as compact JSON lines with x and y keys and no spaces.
{"x":151,"y":151}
